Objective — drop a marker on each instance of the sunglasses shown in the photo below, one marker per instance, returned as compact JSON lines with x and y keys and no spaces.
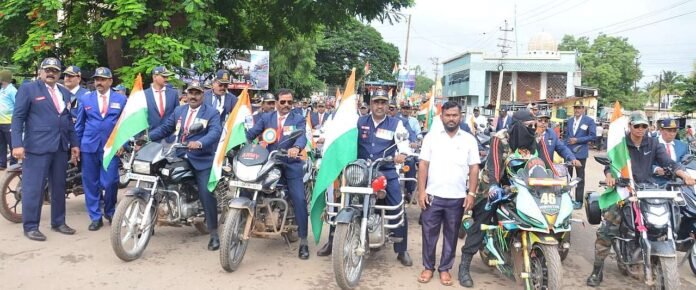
{"x":285,"y":102}
{"x":270,"y":102}
{"x":67,"y":76}
{"x":640,"y":126}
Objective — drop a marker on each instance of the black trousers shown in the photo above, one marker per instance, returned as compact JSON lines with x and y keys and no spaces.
{"x":474,"y":235}
{"x":5,"y":142}
{"x":445,"y":213}
{"x":579,"y":172}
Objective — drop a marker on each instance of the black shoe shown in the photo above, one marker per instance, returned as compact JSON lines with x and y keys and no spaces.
{"x":64,"y":229}
{"x":214,"y":244}
{"x":96,"y":225}
{"x":35,"y":236}
{"x":596,"y":277}
{"x":405,"y":259}
{"x":326,"y":249}
{"x":303,"y":254}
{"x":464,"y":276}
{"x":108,"y":218}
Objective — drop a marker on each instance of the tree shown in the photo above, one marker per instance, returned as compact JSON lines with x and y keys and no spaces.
{"x":132,"y":36}
{"x":687,"y":103}
{"x":351,"y":46}
{"x":608,"y":63}
{"x":292,"y":66}
{"x":424,"y":84}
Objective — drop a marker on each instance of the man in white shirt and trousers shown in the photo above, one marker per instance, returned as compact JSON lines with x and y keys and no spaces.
{"x":449,"y":168}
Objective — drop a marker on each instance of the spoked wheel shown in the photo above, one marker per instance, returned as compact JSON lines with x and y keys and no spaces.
{"x":11,"y":191}
{"x":122,"y":172}
{"x":546,"y":267}
{"x":129,"y":234}
{"x":347,"y":263}
{"x":692,"y":259}
{"x":309,"y":187}
{"x":232,"y":244}
{"x":665,"y":273}
{"x":563,"y":252}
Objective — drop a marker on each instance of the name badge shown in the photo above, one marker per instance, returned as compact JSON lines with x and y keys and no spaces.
{"x":178,"y":127}
{"x":583,"y":126}
{"x":287,"y":130}
{"x":203,"y":122}
{"x":41,"y":98}
{"x":116,"y":106}
{"x":384,"y":134}
{"x":88,"y":107}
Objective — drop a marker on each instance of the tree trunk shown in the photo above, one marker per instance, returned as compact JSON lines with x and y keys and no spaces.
{"x":114,"y":54}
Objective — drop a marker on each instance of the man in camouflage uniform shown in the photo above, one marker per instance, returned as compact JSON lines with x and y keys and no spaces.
{"x":643,"y":152}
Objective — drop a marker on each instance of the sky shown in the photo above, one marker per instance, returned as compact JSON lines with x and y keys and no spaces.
{"x":663,"y":31}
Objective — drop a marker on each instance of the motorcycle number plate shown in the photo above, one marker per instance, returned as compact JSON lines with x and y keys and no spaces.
{"x":237,"y":183}
{"x":141,"y":177}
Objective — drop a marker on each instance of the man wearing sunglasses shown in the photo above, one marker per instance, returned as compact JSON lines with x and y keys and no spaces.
{"x":268,"y":103}
{"x":549,"y":143}
{"x":218,"y":97}
{"x":581,"y":130}
{"x":644,"y":152}
{"x":72,"y":76}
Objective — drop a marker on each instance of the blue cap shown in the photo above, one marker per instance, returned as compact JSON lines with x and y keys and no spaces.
{"x":669,"y":124}
{"x":160,"y":70}
{"x":222,"y":76}
{"x":120,"y":87}
{"x":51,"y":62}
{"x":102,"y":72}
{"x":195,"y":85}
{"x":72,"y":70}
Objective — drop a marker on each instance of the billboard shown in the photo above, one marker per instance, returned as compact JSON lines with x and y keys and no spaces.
{"x":249,"y":70}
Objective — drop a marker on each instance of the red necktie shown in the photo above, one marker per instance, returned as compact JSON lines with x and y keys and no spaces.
{"x":321,"y":119}
{"x":669,"y":150}
{"x":279,"y":131}
{"x":186,"y":126}
{"x":55,"y":98}
{"x":103,"y":108}
{"x":161,"y":104}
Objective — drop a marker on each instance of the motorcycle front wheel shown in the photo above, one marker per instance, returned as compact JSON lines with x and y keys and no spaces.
{"x":232,"y":243}
{"x":546,"y":267}
{"x":347,"y":264}
{"x":665,"y":273}
{"x":129,"y":234}
{"x":692,"y":259}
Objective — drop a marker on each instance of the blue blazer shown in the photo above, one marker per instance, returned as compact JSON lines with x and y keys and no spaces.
{"x":292,"y":122}
{"x":200,"y":159}
{"x":91,"y":128}
{"x":230,"y":102}
{"x":586,"y":133}
{"x":680,"y":149}
{"x":171,"y":100}
{"x":36,"y":125}
{"x":551,"y":144}
{"x":315,"y":118}
{"x":464,"y":126}
{"x":74,"y":101}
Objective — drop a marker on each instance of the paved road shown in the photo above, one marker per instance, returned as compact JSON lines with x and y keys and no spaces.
{"x":177,"y":258}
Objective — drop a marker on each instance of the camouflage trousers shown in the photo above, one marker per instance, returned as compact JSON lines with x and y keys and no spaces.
{"x":607,"y":230}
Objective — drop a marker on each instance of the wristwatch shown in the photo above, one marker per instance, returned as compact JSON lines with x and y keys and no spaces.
{"x":471,"y":194}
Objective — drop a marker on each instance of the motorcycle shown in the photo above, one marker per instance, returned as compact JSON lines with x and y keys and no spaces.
{"x":268,"y":213}
{"x":11,"y":190}
{"x":361,"y":224}
{"x":165,"y":193}
{"x":532,"y":236}
{"x":645,"y":246}
{"x":123,"y":167}
{"x":687,"y":225}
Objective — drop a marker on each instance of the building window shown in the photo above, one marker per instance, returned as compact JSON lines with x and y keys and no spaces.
{"x":556,"y":85}
{"x":459,"y":77}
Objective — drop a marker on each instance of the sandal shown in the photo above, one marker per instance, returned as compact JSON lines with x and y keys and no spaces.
{"x":445,"y":278}
{"x":425,"y":276}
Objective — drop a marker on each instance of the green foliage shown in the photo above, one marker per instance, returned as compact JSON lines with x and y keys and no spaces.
{"x":687,"y":103}
{"x":607,"y":63}
{"x":292,"y":65}
{"x":351,"y":46}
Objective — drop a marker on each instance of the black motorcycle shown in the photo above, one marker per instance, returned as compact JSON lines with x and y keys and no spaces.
{"x":11,"y":190}
{"x":646,"y":245}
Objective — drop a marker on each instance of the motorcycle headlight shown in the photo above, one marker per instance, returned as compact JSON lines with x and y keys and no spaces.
{"x":272,"y":178}
{"x":355,"y":175}
{"x":246,"y":173}
{"x":141,"y":167}
{"x":657,"y":216}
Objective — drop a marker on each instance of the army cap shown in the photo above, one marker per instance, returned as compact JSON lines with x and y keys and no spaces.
{"x":222,"y":76}
{"x":638,"y":117}
{"x":51,"y":62}
{"x":669,"y":123}
{"x":102,"y":72}
{"x":72,"y":70}
{"x":544,"y":114}
{"x":268,"y":97}
{"x":161,"y":70}
{"x":195,"y":85}
{"x":380,"y":94}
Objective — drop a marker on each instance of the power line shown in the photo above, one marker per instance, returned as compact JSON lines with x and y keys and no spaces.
{"x":545,"y":17}
{"x":654,"y":22}
{"x":639,"y":17}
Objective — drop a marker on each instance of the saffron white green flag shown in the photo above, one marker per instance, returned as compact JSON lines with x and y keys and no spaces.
{"x":619,"y":157}
{"x":233,"y":134}
{"x":132,"y":121}
{"x":340,"y":148}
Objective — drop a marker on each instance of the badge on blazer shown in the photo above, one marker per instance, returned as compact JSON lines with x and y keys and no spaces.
{"x":41,"y":98}
{"x":116,"y":106}
{"x":269,"y":136}
{"x":203,"y":122}
{"x":178,"y":126}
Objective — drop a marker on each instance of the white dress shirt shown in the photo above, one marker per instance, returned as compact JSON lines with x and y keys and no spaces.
{"x":219,"y":106}
{"x":157,"y":98}
{"x":58,"y":95}
{"x":672,"y":154}
{"x":576,"y":125}
{"x":100,"y":101}
{"x":449,"y":160}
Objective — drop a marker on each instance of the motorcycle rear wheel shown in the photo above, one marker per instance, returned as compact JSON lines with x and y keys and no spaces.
{"x":232,"y":245}
{"x":665,"y":273}
{"x":546,"y":267}
{"x":130,"y":213}
{"x":11,"y":195}
{"x":347,"y":265}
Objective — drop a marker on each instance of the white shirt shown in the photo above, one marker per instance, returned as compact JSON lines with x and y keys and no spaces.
{"x":481,"y":122}
{"x":219,"y":106}
{"x":449,"y":160}
{"x":576,"y":125}
{"x":157,"y":98}
{"x":599,"y":131}
{"x":100,"y":101}
{"x":58,"y":95}
{"x":672,"y":154}
{"x":193,"y":118}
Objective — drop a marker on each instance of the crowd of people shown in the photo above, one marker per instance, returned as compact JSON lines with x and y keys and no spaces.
{"x":47,"y":124}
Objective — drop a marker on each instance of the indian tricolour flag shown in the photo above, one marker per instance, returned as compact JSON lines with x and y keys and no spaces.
{"x":233,"y":134}
{"x":133,"y":120}
{"x":431,"y":113}
{"x":340,"y":148}
{"x":618,"y":154}
{"x":309,"y":134}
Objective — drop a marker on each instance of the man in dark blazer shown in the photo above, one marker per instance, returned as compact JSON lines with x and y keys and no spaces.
{"x":218,"y":97}
{"x":580,"y":131}
{"x":201,"y":149}
{"x":276,"y":127}
{"x":268,"y":103}
{"x":97,"y":115}
{"x":42,"y":133}
{"x":161,"y":99}
{"x":72,"y":76}
{"x":676,"y":149}
{"x":319,"y":117}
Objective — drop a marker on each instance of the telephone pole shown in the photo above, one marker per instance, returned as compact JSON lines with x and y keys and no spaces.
{"x":659,"y":94}
{"x":504,"y":49}
{"x":408,"y":36}
{"x":436,"y":62}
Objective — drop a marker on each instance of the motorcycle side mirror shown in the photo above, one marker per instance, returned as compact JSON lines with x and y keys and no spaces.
{"x":420,"y":137}
{"x":293,"y":136}
{"x":401,"y":137}
{"x":602,"y":159}
{"x":196,"y":128}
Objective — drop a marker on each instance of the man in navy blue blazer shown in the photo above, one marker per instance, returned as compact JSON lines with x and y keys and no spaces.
{"x":276,"y":127}
{"x":268,"y":103}
{"x":320,"y":116}
{"x":161,"y":100}
{"x":549,"y":143}
{"x":218,"y":97}
{"x":201,"y":149}
{"x":676,"y":149}
{"x":42,"y":133}
{"x":72,"y":76}
{"x":580,"y":131}
{"x":97,"y":115}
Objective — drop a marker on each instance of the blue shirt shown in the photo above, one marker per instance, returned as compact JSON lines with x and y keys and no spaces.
{"x":7,"y":103}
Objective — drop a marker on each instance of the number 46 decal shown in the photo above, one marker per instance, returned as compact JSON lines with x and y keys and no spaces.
{"x":548,"y":198}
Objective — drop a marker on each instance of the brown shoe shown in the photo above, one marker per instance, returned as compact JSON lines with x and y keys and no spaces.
{"x":425,"y":276}
{"x":445,"y":278}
